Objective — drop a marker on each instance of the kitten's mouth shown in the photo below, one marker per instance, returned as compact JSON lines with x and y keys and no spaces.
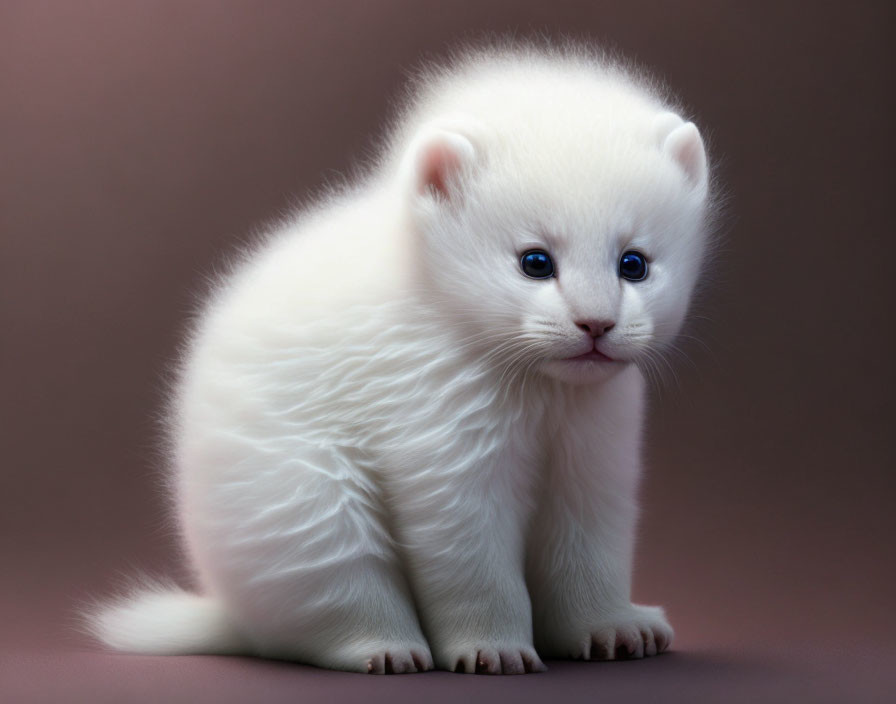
{"x":594,"y":355}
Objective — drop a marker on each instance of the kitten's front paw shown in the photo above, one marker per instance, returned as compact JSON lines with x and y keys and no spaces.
{"x":632,"y":632}
{"x":490,"y":658}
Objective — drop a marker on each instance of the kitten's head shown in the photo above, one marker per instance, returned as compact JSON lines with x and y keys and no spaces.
{"x":557,"y":247}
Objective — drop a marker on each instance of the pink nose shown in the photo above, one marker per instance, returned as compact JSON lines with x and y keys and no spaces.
{"x":595,"y":328}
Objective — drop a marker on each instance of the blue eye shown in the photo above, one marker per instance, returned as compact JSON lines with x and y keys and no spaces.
{"x":537,"y":264}
{"x":633,"y":266}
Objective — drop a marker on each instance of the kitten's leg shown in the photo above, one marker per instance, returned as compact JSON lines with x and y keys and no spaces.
{"x":296,"y":546}
{"x":581,"y":546}
{"x":462,"y":537}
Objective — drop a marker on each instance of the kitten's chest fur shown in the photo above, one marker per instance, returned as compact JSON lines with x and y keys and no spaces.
{"x":410,"y":403}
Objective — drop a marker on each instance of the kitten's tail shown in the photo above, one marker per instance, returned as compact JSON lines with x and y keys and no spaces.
{"x":165,"y":620}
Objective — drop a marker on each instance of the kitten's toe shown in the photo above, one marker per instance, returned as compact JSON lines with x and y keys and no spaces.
{"x":649,"y":641}
{"x":663,"y":638}
{"x":602,"y":645}
{"x":512,"y":663}
{"x":531,"y":662}
{"x":422,"y":660}
{"x":376,"y":664}
{"x":488,"y":662}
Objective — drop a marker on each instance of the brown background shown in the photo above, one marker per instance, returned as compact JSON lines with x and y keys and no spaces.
{"x":139,"y":142}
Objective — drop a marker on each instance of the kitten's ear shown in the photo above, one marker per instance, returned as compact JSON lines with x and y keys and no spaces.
{"x":437,"y":159}
{"x":682,"y":142}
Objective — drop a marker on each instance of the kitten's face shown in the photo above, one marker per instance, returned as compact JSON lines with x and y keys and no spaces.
{"x":571,"y":309}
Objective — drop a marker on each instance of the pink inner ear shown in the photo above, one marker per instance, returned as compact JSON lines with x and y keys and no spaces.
{"x":437,"y":163}
{"x":685,"y":146}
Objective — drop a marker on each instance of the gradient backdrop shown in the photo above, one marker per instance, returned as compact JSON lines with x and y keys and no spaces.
{"x":141,"y":141}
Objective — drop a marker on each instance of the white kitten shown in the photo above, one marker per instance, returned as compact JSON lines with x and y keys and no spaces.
{"x":407,"y":430}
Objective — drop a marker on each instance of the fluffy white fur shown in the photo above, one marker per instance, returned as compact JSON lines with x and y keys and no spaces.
{"x":383,"y":459}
